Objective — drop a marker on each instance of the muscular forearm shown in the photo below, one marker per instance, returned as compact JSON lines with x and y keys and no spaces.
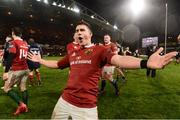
{"x":126,"y":61}
{"x":49,"y":63}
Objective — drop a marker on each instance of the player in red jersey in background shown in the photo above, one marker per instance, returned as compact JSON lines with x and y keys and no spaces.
{"x":79,"y":98}
{"x":108,"y":69}
{"x":73,"y":46}
{"x":16,"y":70}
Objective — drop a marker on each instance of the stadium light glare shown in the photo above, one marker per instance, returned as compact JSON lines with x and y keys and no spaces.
{"x":63,"y":6}
{"x":51,"y":19}
{"x":115,"y":27}
{"x":59,"y":5}
{"x":31,"y":16}
{"x":9,"y":13}
{"x":54,"y":3}
{"x":38,"y":0}
{"x":77,"y":10}
{"x":92,"y":16}
{"x":107,"y":23}
{"x":137,"y":6}
{"x":46,"y":2}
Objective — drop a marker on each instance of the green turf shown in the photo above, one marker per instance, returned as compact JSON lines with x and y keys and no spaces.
{"x":140,"y":97}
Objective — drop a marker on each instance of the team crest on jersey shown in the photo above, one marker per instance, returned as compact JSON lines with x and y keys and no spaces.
{"x":88,"y":52}
{"x":75,"y":47}
{"x":73,"y":54}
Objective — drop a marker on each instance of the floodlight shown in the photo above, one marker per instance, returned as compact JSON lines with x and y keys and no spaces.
{"x":54,"y":3}
{"x":46,"y":2}
{"x":92,"y":16}
{"x":77,"y":10}
{"x":137,"y":6}
{"x":115,"y":27}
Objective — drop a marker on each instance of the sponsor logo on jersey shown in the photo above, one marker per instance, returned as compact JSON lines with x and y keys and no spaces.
{"x":75,"y":47}
{"x":80,"y":62}
{"x":88,"y":52}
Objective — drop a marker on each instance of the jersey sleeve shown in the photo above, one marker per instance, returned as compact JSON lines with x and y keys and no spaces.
{"x":114,"y":48}
{"x":106,"y":56}
{"x":69,"y":48}
{"x":63,"y":63}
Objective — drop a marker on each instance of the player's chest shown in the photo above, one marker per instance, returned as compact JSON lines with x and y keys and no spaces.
{"x":83,"y":57}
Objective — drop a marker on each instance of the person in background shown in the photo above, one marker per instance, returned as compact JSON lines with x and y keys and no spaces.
{"x":34,"y":66}
{"x":16,"y":70}
{"x":150,"y":50}
{"x":79,"y":98}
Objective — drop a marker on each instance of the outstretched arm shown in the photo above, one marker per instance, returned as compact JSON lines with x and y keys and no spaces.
{"x":47,"y":63}
{"x":155,"y":61}
{"x":126,"y":61}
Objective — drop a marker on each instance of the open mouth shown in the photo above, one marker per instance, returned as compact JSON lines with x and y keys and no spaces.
{"x":80,"y":38}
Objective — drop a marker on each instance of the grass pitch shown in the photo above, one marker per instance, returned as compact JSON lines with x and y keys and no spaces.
{"x":141,"y":97}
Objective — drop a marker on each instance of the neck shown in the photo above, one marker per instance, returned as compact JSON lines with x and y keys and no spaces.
{"x":87,"y":45}
{"x":17,"y":37}
{"x":107,"y":43}
{"x":75,"y":42}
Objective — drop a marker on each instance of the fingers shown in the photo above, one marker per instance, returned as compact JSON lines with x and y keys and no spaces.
{"x":39,"y":54}
{"x":30,"y":56}
{"x":167,"y":62}
{"x":168,"y":58}
{"x":170,"y":55}
{"x":159,"y":50}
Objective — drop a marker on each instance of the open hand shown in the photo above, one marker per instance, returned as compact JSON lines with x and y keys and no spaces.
{"x":34,"y":57}
{"x":156,"y":61}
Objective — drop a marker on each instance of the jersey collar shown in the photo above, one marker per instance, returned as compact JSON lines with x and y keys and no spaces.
{"x":88,"y":46}
{"x":108,"y":43}
{"x":75,"y":42}
{"x":18,"y":38}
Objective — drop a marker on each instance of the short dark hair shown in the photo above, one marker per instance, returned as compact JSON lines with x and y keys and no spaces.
{"x":107,"y":34}
{"x":82,"y":22}
{"x":17,"y":31}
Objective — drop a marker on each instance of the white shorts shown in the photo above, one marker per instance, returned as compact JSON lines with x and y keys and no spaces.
{"x":63,"y":110}
{"x":17,"y":77}
{"x":108,"y":72}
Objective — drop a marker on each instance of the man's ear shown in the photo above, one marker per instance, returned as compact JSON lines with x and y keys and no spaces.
{"x":91,"y":34}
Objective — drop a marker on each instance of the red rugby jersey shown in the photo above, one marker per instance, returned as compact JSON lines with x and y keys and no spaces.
{"x":20,"y":49}
{"x":71,"y":47}
{"x":82,"y":85}
{"x":112,"y":46}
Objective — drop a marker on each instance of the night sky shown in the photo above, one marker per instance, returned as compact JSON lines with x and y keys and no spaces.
{"x":149,"y":23}
{"x":151,"y":20}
